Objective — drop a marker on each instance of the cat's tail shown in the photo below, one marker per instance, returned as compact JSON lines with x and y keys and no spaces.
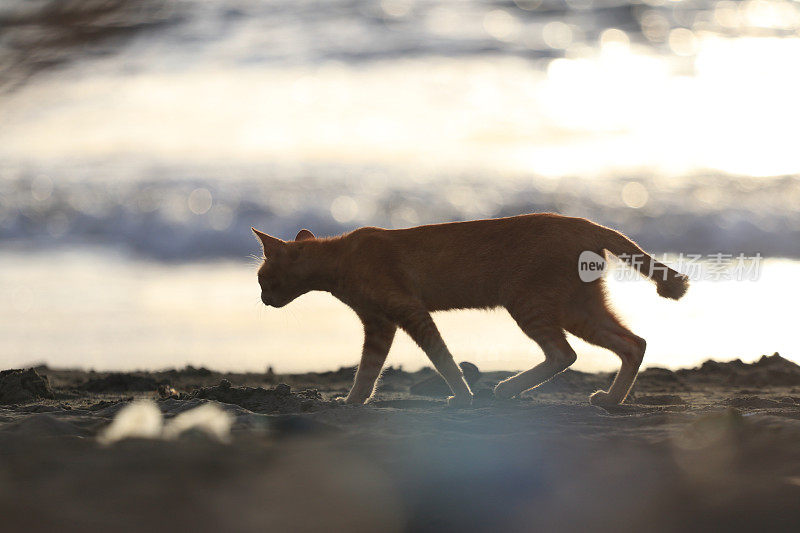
{"x":669,"y":283}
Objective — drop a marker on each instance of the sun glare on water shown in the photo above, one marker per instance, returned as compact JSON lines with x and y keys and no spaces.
{"x":715,"y":102}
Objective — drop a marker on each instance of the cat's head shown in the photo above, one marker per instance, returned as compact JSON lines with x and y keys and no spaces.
{"x":284,"y":274}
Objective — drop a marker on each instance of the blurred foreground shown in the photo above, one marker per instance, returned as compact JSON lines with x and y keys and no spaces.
{"x":708,"y":448}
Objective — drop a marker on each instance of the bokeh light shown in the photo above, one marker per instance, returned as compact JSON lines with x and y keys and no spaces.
{"x":200,"y":201}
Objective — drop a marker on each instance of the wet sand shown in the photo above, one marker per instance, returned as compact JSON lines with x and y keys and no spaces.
{"x":709,"y":448}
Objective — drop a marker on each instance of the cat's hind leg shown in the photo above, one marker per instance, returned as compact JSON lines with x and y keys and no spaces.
{"x":378,"y":336}
{"x":542,"y":328}
{"x":598,"y":325}
{"x":417,"y":322}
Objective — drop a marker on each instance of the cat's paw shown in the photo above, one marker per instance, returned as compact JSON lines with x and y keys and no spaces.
{"x":342,"y":400}
{"x":602,"y":399}
{"x":460,"y":401}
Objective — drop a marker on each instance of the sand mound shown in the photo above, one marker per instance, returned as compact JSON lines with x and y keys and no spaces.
{"x":768,"y":371}
{"x":280,"y":399}
{"x":660,"y":399}
{"x":756,"y":402}
{"x":120,"y":382}
{"x":22,"y":386}
{"x":43,"y":425}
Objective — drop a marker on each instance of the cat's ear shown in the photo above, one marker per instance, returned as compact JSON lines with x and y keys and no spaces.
{"x":270,"y":244}
{"x":304,"y":235}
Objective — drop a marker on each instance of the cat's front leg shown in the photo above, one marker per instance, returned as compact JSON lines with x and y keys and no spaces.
{"x":378,"y":336}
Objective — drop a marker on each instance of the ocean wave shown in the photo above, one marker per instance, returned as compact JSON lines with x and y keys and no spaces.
{"x":186,"y":217}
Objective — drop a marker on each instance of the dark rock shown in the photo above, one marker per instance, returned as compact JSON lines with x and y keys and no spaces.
{"x":22,"y":386}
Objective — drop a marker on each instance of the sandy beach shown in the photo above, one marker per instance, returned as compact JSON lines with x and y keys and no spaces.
{"x":712,"y":447}
{"x":141,"y":140}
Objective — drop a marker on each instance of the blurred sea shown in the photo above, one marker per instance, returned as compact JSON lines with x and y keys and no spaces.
{"x":155,"y":133}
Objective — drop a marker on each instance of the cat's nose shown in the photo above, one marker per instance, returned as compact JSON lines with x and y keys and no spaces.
{"x":265,"y":300}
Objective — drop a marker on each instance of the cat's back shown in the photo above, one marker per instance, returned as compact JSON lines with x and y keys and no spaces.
{"x":533,"y":226}
{"x":466,"y":264}
{"x":501,"y":239}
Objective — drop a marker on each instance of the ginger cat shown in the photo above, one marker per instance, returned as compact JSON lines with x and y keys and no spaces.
{"x":527,"y":264}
